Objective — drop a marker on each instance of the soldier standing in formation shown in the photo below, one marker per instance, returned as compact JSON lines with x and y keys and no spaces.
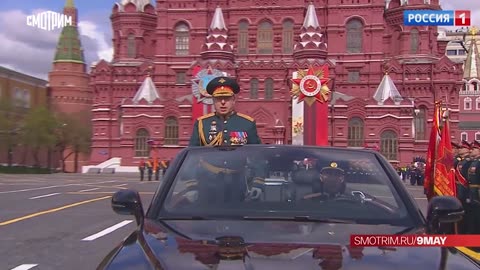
{"x":225,"y":126}
{"x":473,"y":197}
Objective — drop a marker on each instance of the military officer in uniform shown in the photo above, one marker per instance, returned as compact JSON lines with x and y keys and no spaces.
{"x":473,"y":197}
{"x":461,"y":151}
{"x":462,"y":163}
{"x":225,"y":126}
{"x":331,"y":183}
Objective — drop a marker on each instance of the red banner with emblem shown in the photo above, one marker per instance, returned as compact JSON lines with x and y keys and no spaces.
{"x":444,"y":180}
{"x":431,"y":152}
{"x":311,"y":87}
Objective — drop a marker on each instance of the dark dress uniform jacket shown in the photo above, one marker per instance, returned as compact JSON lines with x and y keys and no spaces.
{"x":211,"y":130}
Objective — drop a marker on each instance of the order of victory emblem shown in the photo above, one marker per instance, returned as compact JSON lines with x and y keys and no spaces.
{"x":200,"y":82}
{"x":311,"y":85}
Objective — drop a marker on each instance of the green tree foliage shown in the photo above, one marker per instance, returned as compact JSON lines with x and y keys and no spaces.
{"x":38,"y":131}
{"x":73,"y":136}
{"x":11,"y":125}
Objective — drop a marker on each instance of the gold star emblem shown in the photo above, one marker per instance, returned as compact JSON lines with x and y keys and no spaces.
{"x":473,"y":30}
{"x":221,"y":80}
{"x":333,"y":165}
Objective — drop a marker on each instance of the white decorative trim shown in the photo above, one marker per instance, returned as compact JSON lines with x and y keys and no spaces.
{"x":142,"y":114}
{"x":389,"y":115}
{"x":143,"y":106}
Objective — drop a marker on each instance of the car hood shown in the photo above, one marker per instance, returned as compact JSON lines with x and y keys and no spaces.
{"x":192,"y":245}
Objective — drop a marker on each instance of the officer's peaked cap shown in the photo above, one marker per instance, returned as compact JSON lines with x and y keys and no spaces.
{"x":456,"y":145}
{"x":465,"y":144}
{"x":223,"y":87}
{"x":333,"y":166}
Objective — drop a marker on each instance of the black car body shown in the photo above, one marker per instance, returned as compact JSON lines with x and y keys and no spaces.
{"x":261,"y":207}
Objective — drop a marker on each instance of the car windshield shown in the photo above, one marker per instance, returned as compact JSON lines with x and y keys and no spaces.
{"x":275,"y":182}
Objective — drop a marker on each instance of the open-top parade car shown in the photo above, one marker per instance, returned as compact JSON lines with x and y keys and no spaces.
{"x":280,"y":207}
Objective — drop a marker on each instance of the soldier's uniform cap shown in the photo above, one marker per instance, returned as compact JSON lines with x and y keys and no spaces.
{"x":465,"y":144}
{"x":223,"y":87}
{"x":476,"y":144}
{"x":332,"y":167}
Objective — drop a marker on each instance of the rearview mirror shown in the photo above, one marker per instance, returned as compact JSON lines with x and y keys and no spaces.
{"x":127,"y":202}
{"x":443,"y":211}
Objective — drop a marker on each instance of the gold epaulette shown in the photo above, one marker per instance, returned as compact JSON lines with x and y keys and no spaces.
{"x":205,"y":116}
{"x":249,"y":118}
{"x":259,"y":180}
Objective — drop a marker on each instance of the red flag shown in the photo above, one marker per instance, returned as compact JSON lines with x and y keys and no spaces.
{"x":431,"y":152}
{"x":321,"y":119}
{"x":444,"y":180}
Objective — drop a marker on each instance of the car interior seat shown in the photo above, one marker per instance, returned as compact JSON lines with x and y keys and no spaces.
{"x":304,"y":182}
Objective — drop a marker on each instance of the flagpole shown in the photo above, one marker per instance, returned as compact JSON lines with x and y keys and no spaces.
{"x":436,"y":115}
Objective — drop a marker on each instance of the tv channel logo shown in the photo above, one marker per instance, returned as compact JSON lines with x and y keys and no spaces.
{"x":436,"y":18}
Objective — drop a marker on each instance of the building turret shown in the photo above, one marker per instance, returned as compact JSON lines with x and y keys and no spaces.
{"x":134,"y":23}
{"x":216,"y":46}
{"x":311,"y":44}
{"x":69,"y":91}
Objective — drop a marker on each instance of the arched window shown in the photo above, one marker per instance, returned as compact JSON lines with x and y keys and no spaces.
{"x":467,"y":103}
{"x":355,"y":132}
{"x":171,"y":131}
{"x":389,"y":145}
{"x":464,"y":136}
{"x":131,"y":46}
{"x":354,"y":36}
{"x":420,"y":122}
{"x":265,"y":38}
{"x":269,"y":88}
{"x":475,"y":86}
{"x":414,"y":41}
{"x":287,"y":37}
{"x":477,"y":101}
{"x":254,"y":88}
{"x":142,"y":149}
{"x":181,"y":39}
{"x":243,"y":37}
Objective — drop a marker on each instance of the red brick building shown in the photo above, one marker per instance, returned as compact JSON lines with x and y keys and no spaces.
{"x":386,"y":76}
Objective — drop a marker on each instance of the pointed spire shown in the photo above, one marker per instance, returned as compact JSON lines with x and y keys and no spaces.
{"x":311,"y":44}
{"x":472,"y":63}
{"x":216,"y":46}
{"x":147,"y":91}
{"x":218,"y":22}
{"x":69,"y":46}
{"x":69,"y":3}
{"x":387,"y":89}
{"x":311,"y":19}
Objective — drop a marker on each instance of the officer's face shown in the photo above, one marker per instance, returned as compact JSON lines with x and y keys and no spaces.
{"x":475,"y":152}
{"x":463,"y":151}
{"x":224,"y":105}
{"x":332,"y":180}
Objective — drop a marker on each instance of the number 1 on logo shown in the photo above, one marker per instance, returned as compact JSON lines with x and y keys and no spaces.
{"x":462,"y":17}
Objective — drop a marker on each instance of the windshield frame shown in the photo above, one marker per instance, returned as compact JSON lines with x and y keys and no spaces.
{"x":156,"y":207}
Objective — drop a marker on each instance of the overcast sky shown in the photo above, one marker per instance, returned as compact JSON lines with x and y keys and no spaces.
{"x":31,"y":50}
